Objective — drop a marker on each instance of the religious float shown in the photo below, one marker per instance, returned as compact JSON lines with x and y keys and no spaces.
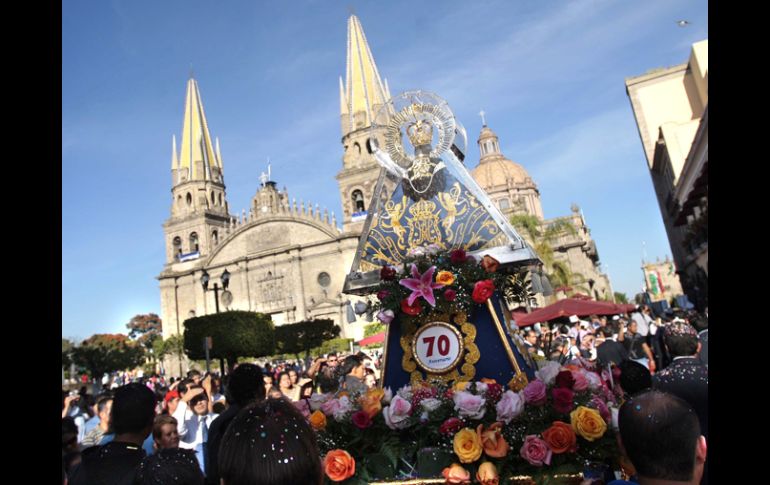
{"x":461,"y":400}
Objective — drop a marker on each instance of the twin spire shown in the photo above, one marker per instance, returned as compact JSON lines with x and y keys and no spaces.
{"x":364,"y":92}
{"x":199,"y":158}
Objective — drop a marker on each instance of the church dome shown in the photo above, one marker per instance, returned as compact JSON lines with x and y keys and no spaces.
{"x":499,"y":171}
{"x":494,"y":169}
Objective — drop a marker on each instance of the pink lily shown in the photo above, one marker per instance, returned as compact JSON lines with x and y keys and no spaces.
{"x":421,"y":285}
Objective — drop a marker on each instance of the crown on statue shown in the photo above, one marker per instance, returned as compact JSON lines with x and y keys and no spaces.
{"x":420,"y":132}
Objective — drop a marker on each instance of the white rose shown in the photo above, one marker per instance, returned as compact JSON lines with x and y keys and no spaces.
{"x":430,"y":404}
{"x":548,"y":372}
{"x":510,"y":406}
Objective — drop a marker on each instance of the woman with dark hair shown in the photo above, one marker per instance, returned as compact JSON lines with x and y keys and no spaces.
{"x":286,"y":387}
{"x":257,"y":449}
{"x":352,"y":369}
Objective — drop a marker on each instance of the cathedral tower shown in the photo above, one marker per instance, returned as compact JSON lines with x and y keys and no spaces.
{"x":361,"y":98}
{"x":199,"y":211}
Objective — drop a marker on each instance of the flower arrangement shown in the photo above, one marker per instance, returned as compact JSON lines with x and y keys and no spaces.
{"x":472,"y":432}
{"x":432,"y":281}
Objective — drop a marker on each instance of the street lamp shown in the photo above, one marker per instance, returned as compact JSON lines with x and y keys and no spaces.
{"x":225,"y":283}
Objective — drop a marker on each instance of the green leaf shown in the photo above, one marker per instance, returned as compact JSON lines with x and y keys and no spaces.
{"x":379,"y":465}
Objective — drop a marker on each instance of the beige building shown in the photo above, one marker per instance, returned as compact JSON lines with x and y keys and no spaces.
{"x":661,"y":280}
{"x":514,"y":192}
{"x":671,"y":110}
{"x":285,"y":259}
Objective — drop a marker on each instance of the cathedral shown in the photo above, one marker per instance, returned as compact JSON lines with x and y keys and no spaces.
{"x":288,"y":260}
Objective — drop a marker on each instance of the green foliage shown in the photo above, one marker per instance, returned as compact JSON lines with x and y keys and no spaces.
{"x":173,"y":346}
{"x":102,"y":353}
{"x":304,"y":336}
{"x":333,"y":345}
{"x":373,"y":329}
{"x":234,"y":334}
{"x":621,"y":297}
{"x":66,"y":352}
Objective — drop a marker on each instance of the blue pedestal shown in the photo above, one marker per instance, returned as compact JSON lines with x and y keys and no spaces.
{"x":494,"y":362}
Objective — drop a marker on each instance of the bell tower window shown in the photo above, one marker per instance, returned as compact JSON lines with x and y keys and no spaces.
{"x":194,"y":242}
{"x":215,"y":237}
{"x":358,"y":201}
{"x":189,"y":199}
{"x":177,"y":246}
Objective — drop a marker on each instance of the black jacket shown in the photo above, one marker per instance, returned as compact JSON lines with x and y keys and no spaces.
{"x":611,"y":352}
{"x":112,"y":464}
{"x":216,"y":433}
{"x":687,"y":378}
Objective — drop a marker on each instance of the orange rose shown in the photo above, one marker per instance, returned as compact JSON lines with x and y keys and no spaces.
{"x":342,"y":394}
{"x":461,"y":385}
{"x":339,"y":465}
{"x":489,"y":264}
{"x":492,"y":440}
{"x":487,"y":380}
{"x":456,"y":474}
{"x":487,"y":474}
{"x":371,"y":401}
{"x":445,"y":278}
{"x":560,"y":437}
{"x":318,"y":420}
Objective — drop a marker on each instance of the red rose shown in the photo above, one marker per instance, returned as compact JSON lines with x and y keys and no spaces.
{"x":562,"y":400}
{"x":458,"y":256}
{"x":489,"y":264}
{"x":415,"y":309}
{"x":483,"y":290}
{"x":494,"y":392}
{"x":387,"y":273}
{"x":564,"y":379}
{"x":361,"y":419}
{"x":450,"y":295}
{"x":451,"y":426}
{"x":382,"y":294}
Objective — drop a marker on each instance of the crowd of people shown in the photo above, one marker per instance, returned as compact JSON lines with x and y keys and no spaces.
{"x":251,"y":427}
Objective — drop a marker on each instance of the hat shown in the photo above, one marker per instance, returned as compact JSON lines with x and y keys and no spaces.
{"x":171,"y":395}
{"x":573,"y":319}
{"x":680,"y":329}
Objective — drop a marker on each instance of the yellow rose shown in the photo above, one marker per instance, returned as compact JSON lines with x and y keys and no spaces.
{"x":318,"y":420}
{"x":460,"y":386}
{"x":588,"y":423}
{"x":467,"y":445}
{"x":487,"y":474}
{"x":445,"y":278}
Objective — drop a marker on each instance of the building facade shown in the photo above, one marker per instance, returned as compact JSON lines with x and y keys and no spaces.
{"x":671,"y":111}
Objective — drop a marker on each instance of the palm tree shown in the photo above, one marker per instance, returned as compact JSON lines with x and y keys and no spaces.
{"x":543,"y":238}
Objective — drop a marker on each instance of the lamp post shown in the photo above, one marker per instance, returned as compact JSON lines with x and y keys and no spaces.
{"x":205,"y":283}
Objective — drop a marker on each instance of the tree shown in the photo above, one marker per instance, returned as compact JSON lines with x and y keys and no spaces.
{"x":145,"y":329}
{"x":304,"y":336}
{"x":374,"y":329}
{"x":234,"y":334}
{"x":621,"y":297}
{"x":173,"y":346}
{"x":66,"y":352}
{"x":104,"y":353}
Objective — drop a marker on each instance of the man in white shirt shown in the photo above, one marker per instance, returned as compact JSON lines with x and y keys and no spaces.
{"x":643,"y":320}
{"x":194,"y":416}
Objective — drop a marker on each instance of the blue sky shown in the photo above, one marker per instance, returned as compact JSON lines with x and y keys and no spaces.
{"x":549,"y":75}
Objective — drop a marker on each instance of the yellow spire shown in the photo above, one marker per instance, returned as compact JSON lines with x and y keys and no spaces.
{"x":364,"y":89}
{"x":197,"y":150}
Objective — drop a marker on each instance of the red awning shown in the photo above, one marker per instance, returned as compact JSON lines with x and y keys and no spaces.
{"x":572,"y":306}
{"x":373,"y":339}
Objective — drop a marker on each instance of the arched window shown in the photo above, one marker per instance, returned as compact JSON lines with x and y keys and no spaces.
{"x":177,"y":246}
{"x":220,"y":200}
{"x":213,"y":200}
{"x":189,"y":199}
{"x":215,"y":237}
{"x":358,"y":201}
{"x":194,"y":242}
{"x":179,"y":200}
{"x":369,"y":146}
{"x":357,"y":147}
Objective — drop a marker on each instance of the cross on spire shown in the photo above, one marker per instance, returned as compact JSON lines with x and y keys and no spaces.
{"x":483,"y":120}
